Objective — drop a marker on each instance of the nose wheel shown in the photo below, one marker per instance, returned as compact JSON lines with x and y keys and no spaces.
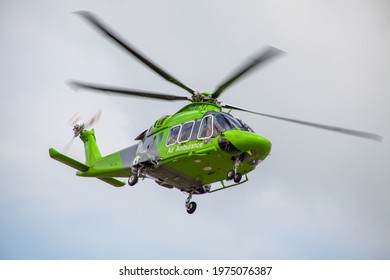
{"x":190,"y":205}
{"x":237,"y":178}
{"x":230,"y":175}
{"x":233,"y":174}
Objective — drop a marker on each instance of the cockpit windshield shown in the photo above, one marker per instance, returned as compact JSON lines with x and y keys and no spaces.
{"x":245,"y":127}
{"x":238,"y":123}
{"x":223,"y":122}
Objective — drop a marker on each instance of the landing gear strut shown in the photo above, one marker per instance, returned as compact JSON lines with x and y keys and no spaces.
{"x":233,"y":174}
{"x":190,"y":205}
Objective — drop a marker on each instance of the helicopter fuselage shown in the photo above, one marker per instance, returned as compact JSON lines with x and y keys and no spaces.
{"x":189,"y":150}
{"x":198,"y":146}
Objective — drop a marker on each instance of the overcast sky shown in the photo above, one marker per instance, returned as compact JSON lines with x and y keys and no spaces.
{"x":319,"y":195}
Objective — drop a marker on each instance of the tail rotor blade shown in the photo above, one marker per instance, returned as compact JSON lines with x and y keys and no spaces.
{"x":75,"y":119}
{"x":66,"y":149}
{"x":94,"y":120}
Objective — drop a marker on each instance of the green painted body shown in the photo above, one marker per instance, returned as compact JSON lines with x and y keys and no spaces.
{"x":191,"y":163}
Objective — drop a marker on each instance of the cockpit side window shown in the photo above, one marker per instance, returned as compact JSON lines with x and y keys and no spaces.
{"x":173,"y":135}
{"x":221,"y":124}
{"x":186,"y":131}
{"x":206,"y":127}
{"x":233,"y":121}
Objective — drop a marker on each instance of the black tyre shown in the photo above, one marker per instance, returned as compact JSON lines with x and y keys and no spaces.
{"x":237,"y":178}
{"x":133,"y":179}
{"x":191,"y":207}
{"x":230,"y":175}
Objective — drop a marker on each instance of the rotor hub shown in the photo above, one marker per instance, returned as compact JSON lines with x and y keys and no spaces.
{"x":205,"y":97}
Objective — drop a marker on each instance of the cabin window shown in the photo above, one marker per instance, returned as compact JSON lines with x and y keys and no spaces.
{"x":160,"y":137}
{"x":206,"y":127}
{"x":186,"y":131}
{"x":173,"y":135}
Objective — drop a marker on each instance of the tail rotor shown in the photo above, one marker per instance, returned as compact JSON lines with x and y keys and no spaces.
{"x":79,"y":127}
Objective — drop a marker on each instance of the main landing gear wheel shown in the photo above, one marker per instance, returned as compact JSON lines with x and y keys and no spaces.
{"x":133,"y":179}
{"x":190,"y":205}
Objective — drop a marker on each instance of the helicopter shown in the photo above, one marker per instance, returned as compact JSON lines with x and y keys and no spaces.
{"x":200,"y":144}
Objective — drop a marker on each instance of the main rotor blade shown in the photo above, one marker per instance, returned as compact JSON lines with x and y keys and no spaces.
{"x":125,"y":45}
{"x":362,"y":134}
{"x":116,"y":90}
{"x":264,"y":56}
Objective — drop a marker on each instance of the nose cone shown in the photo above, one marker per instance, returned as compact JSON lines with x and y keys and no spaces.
{"x":237,"y":141}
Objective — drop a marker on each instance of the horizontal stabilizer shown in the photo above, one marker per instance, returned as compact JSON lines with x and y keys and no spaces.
{"x":112,"y":181}
{"x":67,"y":160}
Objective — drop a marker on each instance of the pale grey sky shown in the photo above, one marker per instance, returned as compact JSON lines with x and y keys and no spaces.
{"x":320,"y":195}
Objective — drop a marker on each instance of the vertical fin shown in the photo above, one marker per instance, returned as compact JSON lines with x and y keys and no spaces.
{"x":92,"y":152}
